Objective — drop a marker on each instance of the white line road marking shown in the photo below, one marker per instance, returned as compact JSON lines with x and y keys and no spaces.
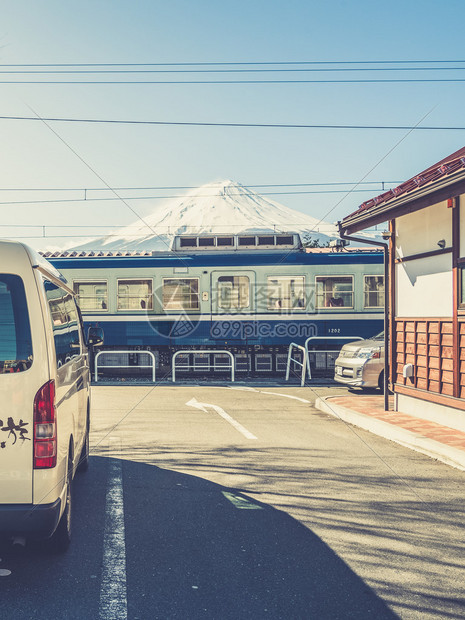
{"x":302,"y":400}
{"x":113,"y":592}
{"x":4,"y":572}
{"x":203,"y":406}
{"x":251,"y":389}
{"x":241,"y":502}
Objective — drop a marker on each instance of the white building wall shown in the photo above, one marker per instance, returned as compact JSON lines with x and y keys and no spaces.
{"x":420,"y":231}
{"x":424,"y":285}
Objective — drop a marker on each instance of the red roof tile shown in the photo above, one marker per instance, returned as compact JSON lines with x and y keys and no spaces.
{"x":442,"y":168}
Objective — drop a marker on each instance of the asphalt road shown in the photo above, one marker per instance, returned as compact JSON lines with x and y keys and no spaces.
{"x":223,"y":503}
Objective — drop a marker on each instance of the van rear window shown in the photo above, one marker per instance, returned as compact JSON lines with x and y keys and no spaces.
{"x":15,"y":330}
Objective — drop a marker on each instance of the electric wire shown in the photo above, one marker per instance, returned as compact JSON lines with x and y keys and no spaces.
{"x":230,"y":63}
{"x":52,"y":119}
{"x":209,"y":71}
{"x":89,"y":200}
{"x":214,"y":82}
{"x":180,"y":187}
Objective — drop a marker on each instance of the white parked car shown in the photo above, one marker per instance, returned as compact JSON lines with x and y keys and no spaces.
{"x":44,"y":397}
{"x":361,"y":363}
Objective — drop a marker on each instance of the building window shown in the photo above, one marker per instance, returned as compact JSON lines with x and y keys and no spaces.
{"x":135,"y":295}
{"x":286,"y":293}
{"x":374,"y":292}
{"x":91,"y":295}
{"x":233,"y":292}
{"x":334,"y":291}
{"x":181,"y":294}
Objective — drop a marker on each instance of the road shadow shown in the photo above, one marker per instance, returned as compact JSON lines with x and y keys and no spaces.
{"x":194,"y":549}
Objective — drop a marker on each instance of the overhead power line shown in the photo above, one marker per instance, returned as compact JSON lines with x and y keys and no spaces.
{"x":63,"y":200}
{"x":180,"y":187}
{"x":215,"y":82}
{"x":240,"y":63}
{"x":212,"y":124}
{"x":209,"y":71}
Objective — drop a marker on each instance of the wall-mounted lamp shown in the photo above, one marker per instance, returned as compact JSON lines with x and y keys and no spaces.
{"x":442,"y":243}
{"x":386,"y":234}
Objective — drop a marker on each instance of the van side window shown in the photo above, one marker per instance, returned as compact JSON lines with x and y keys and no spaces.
{"x":73,"y":322}
{"x":15,"y":330}
{"x":64,"y":323}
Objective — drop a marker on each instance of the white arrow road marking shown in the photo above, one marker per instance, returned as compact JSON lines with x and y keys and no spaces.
{"x":203,"y":406}
{"x":113,"y":594}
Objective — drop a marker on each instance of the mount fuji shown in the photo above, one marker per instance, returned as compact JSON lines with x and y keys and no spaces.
{"x":224,"y":207}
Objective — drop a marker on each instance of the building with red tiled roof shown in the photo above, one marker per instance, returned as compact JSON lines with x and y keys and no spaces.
{"x":426,"y":216}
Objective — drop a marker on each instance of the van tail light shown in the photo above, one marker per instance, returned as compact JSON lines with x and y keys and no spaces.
{"x":45,"y":430}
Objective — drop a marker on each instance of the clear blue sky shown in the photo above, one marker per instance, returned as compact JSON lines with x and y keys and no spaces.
{"x":31,"y":156}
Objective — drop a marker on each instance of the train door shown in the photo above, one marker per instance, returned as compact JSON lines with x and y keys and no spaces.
{"x":233,"y":306}
{"x":233,"y":293}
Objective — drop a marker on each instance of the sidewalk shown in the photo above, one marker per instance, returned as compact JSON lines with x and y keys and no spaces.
{"x":437,"y":441}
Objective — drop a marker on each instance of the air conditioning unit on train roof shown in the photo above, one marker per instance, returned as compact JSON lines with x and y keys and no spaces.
{"x":244,"y":241}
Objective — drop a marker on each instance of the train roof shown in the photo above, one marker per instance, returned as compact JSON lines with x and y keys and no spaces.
{"x":111,"y":260}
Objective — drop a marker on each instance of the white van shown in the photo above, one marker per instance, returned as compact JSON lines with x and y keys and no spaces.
{"x":44,"y":397}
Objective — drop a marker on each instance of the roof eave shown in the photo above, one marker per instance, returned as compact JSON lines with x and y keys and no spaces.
{"x":438,"y":191}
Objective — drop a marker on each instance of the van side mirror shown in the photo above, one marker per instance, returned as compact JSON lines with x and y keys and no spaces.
{"x":95,"y":336}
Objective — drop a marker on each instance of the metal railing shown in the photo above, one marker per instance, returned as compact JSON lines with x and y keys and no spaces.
{"x":304,"y":363}
{"x":143,"y":352}
{"x":307,"y":352}
{"x":203,"y":366}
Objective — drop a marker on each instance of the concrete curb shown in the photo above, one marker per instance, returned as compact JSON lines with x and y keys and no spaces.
{"x":434,"y":449}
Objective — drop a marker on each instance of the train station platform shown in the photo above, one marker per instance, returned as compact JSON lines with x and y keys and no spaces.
{"x":439,"y":442}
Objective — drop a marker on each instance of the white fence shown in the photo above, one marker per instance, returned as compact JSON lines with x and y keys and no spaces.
{"x":302,"y":363}
{"x":118,"y":365}
{"x":202,"y":366}
{"x":305,"y":364}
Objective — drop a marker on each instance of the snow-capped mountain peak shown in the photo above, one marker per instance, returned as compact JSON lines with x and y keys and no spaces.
{"x":220,"y":207}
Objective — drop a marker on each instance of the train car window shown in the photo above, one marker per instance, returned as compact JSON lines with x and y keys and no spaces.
{"x":188,"y":242}
{"x":135,"y":295}
{"x":334,"y":291}
{"x":286,"y":293}
{"x":266,"y":240}
{"x":181,"y":294}
{"x":374,"y":292}
{"x":285,"y":240}
{"x":233,"y":292}
{"x":206,"y":241}
{"x":224,"y":241}
{"x":91,"y":296}
{"x":246,"y":240}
